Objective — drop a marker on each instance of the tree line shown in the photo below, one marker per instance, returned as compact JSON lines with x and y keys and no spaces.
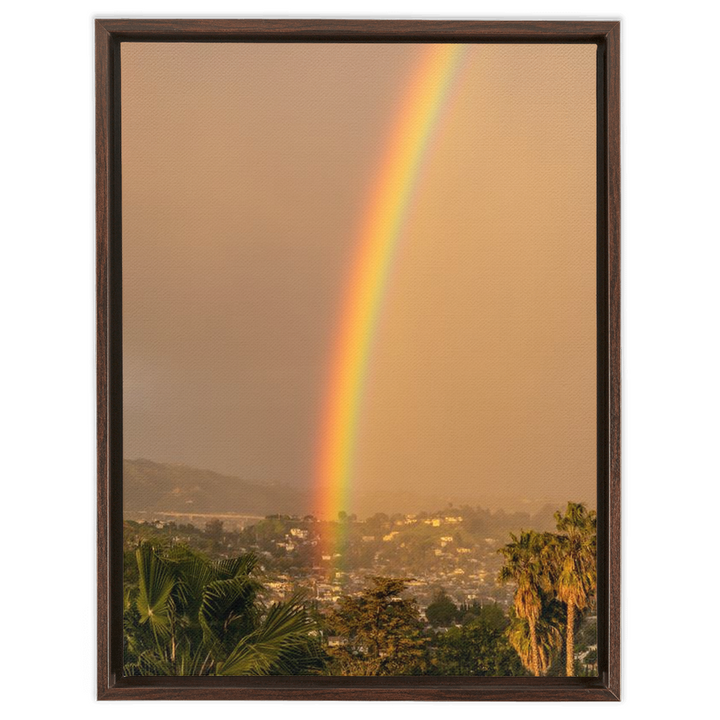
{"x":188,"y":615}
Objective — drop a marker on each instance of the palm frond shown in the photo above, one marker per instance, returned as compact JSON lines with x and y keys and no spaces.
{"x":194,"y":572}
{"x":149,"y":663}
{"x":228,"y":609}
{"x":233,"y":567}
{"x":549,"y":639}
{"x":155,"y":585}
{"x":270,"y":648}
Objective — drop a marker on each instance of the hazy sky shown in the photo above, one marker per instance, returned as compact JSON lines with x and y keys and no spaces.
{"x":246,"y":173}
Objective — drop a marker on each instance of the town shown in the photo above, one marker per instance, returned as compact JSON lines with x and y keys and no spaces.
{"x":399,"y":594}
{"x":455,"y":550}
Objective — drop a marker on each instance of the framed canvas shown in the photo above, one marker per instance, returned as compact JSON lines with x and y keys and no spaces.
{"x":358,"y":359}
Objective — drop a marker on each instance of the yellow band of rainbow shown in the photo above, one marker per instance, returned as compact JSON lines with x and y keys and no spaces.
{"x":387,"y":212}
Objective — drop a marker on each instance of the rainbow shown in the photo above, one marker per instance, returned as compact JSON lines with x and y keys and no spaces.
{"x":387,"y":210}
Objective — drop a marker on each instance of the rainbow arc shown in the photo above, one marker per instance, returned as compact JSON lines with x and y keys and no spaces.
{"x":388,"y":208}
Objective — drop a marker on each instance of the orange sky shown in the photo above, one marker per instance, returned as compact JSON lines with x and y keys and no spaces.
{"x":246,"y":172}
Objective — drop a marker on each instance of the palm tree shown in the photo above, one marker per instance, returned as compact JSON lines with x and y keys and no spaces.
{"x":190,"y":616}
{"x":575,"y":567}
{"x":526,"y":564}
{"x":547,"y":631}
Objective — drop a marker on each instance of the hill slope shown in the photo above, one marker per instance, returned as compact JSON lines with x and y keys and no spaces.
{"x":161,"y":487}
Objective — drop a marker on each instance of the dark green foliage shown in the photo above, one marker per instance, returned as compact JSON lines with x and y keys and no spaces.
{"x":442,"y":611}
{"x":190,"y":616}
{"x":381,"y":632}
{"x":479,"y":648}
{"x":186,"y":613}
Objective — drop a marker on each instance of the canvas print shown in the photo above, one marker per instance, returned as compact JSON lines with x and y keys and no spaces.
{"x":359,"y":358}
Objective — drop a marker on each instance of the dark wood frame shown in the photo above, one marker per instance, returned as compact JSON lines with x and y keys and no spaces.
{"x":111,"y":685}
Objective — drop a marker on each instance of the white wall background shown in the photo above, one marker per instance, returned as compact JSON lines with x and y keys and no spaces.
{"x":671,"y":256}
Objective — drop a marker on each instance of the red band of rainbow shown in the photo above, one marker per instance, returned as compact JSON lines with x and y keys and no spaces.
{"x":387,"y":212}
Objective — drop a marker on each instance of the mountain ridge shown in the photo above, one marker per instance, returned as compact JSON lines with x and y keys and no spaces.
{"x":173,"y":487}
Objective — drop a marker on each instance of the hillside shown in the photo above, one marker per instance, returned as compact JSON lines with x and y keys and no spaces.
{"x":162,"y":487}
{"x":152,"y":487}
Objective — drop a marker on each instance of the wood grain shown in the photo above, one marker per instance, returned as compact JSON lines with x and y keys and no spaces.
{"x":102,"y":183}
{"x":111,"y":685}
{"x":612,"y":95}
{"x":357,"y":30}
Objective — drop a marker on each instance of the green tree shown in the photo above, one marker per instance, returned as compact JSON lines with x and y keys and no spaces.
{"x":190,"y":616}
{"x":381,"y":632}
{"x":526,"y":565}
{"x":442,"y":610}
{"x":492,"y":615}
{"x":575,"y":573}
{"x":481,"y":647}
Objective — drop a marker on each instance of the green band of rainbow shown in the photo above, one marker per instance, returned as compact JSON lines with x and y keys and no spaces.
{"x":387,"y":213}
